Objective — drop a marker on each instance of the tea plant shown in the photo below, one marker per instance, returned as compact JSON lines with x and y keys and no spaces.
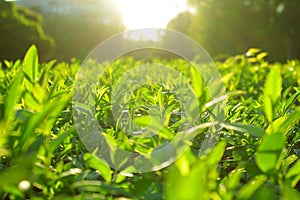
{"x":257,"y":149}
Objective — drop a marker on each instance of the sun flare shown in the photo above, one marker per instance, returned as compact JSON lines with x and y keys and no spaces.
{"x":149,"y":13}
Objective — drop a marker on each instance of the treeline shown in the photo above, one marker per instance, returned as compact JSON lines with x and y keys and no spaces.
{"x":223,"y":28}
{"x":57,"y":34}
{"x":230,"y":27}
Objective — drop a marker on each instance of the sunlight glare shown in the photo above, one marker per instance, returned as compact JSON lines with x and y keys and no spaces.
{"x":150,"y":13}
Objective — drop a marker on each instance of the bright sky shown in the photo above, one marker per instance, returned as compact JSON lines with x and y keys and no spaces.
{"x":149,"y":13}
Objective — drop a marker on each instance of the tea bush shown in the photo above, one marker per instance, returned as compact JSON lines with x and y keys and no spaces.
{"x":257,"y":149}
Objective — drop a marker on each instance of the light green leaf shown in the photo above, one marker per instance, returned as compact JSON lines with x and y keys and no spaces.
{"x":234,"y":177}
{"x":194,"y":181}
{"x":295,"y":170}
{"x":215,"y":156}
{"x":249,"y":189}
{"x":254,"y":131}
{"x":154,"y":123}
{"x":269,"y":152}
{"x":294,"y":174}
{"x":142,"y":120}
{"x":193,"y":185}
{"x":252,"y":52}
{"x":290,"y":101}
{"x":197,"y":82}
{"x":289,"y":193}
{"x":272,"y":91}
{"x":50,"y":112}
{"x":14,"y":95}
{"x":60,"y":138}
{"x":261,"y":56}
{"x":285,"y":123}
{"x":98,"y":164}
{"x":31,"y":63}
{"x":288,"y":161}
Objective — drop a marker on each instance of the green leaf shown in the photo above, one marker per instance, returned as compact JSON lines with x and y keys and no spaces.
{"x":194,"y":181}
{"x":142,"y":120}
{"x":48,"y":116}
{"x":249,"y":189}
{"x":60,"y":138}
{"x":22,"y":170}
{"x":154,"y":123}
{"x":254,"y":131}
{"x":98,"y":164}
{"x":183,"y":165}
{"x":294,"y":171}
{"x":288,"y":161}
{"x":272,"y":91}
{"x":252,"y":52}
{"x":285,"y":123}
{"x":191,"y":186}
{"x":197,"y":82}
{"x":215,"y":156}
{"x":290,"y":193}
{"x":261,"y":56}
{"x":269,"y":152}
{"x":294,"y":174}
{"x":234,"y":179}
{"x":268,"y":107}
{"x":31,"y":64}
{"x":14,"y":95}
{"x":290,"y":101}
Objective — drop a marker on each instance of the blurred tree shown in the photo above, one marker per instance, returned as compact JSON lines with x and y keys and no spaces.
{"x":229,"y":27}
{"x":181,"y":22}
{"x":78,"y":27}
{"x":19,"y":29}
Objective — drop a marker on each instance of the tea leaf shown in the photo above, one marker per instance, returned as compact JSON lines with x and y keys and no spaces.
{"x":98,"y":164}
{"x":14,"y":95}
{"x":31,"y":63}
{"x":254,"y":131}
{"x":253,"y":185}
{"x":268,"y":155}
{"x":272,"y":92}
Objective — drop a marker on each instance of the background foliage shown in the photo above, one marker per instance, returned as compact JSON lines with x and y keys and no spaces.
{"x":230,"y":27}
{"x":224,"y":28}
{"x":76,"y":34}
{"x":19,"y":29}
{"x":59,"y":35}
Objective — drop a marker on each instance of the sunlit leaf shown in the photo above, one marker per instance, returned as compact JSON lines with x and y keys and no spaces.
{"x":14,"y":95}
{"x":197,"y":82}
{"x":290,"y":101}
{"x":252,"y":52}
{"x":192,"y":186}
{"x":215,"y":156}
{"x":254,"y":131}
{"x":31,"y":63}
{"x":57,"y":141}
{"x":272,"y":92}
{"x":261,"y":56}
{"x":253,"y":185}
{"x":268,"y":154}
{"x":285,"y":123}
{"x":154,"y":123}
{"x":50,"y":112}
{"x":195,"y":181}
{"x":294,"y":174}
{"x":234,"y":179}
{"x":289,"y":193}
{"x":288,"y":161}
{"x":98,"y":164}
